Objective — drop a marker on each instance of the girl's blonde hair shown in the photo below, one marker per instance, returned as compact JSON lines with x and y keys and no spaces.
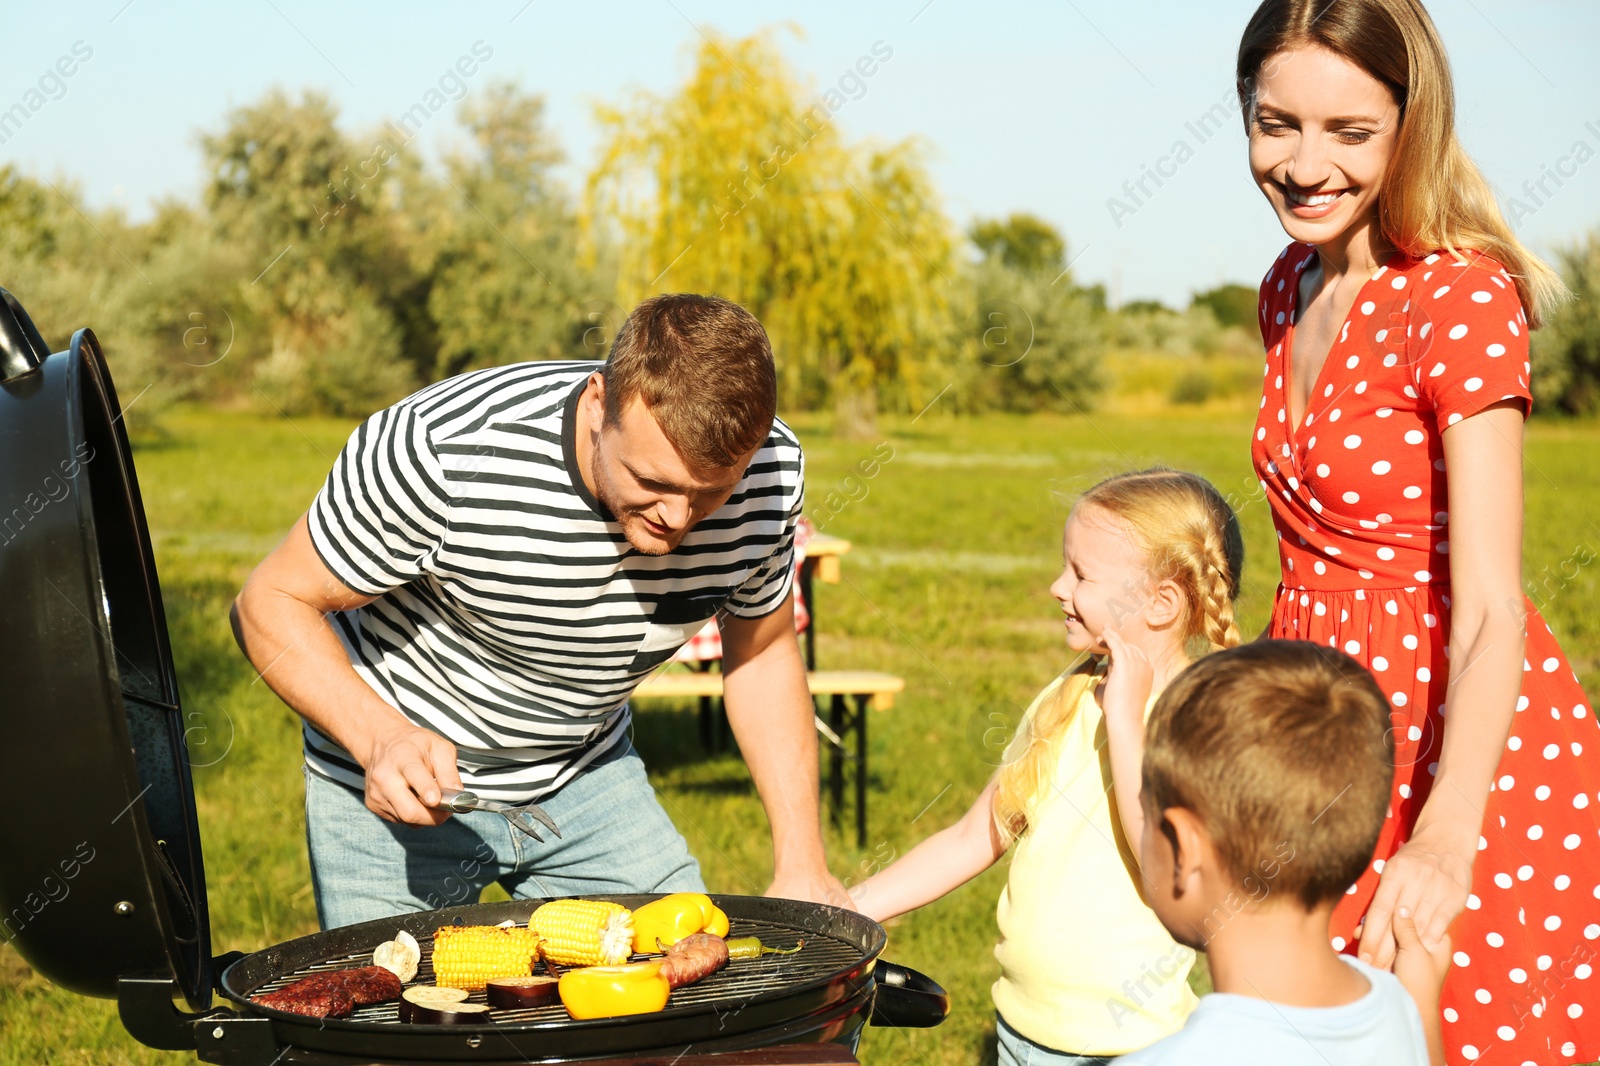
{"x":1188,"y":535}
{"x":1433,"y":198}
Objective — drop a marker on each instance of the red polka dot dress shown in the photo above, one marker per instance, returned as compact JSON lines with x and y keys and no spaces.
{"x":1358,"y":496}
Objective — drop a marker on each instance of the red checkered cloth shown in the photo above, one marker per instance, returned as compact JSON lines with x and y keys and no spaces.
{"x":707,"y":644}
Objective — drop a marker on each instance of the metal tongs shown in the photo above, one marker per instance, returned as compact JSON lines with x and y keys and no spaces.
{"x":522,"y":818}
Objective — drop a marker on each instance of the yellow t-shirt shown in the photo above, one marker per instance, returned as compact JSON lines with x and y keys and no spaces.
{"x":1085,"y":965}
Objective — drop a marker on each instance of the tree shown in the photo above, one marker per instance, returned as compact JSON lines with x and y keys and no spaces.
{"x":1035,"y":339}
{"x":1566,"y":352}
{"x":309,"y":209}
{"x":735,"y":185}
{"x":1021,"y":242}
{"x":54,"y":262}
{"x":1146,"y":307}
{"x":503,"y":256}
{"x":136,"y":286}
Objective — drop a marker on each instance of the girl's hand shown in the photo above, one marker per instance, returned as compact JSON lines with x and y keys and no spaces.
{"x":940,"y":864}
{"x":1130,"y":678}
{"x":1127,"y":689}
{"x":1431,"y":878}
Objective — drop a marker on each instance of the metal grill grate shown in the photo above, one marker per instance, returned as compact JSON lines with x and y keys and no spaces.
{"x":726,"y":991}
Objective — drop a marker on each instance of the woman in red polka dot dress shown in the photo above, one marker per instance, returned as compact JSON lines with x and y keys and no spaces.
{"x":1389,"y":445}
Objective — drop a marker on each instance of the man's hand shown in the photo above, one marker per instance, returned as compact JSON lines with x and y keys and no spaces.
{"x":770,"y":710}
{"x":406,"y":768}
{"x":280,"y":620}
{"x":813,"y":886}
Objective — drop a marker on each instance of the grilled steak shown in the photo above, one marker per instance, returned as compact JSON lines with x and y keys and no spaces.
{"x":312,"y":1002}
{"x":333,"y":994}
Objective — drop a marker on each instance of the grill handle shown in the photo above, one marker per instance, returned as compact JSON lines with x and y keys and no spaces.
{"x":907,"y":999}
{"x":21,"y":347}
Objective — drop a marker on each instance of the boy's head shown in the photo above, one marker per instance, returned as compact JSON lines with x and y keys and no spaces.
{"x":1267,"y":771}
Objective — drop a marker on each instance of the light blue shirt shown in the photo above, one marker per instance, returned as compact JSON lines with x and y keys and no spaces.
{"x":1381,"y":1027}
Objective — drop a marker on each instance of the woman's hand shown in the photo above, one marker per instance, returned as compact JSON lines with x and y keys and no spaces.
{"x":1431,"y":877}
{"x":1431,"y":874}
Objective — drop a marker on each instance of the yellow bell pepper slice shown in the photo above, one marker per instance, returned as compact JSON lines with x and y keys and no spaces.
{"x":718,"y":926}
{"x":700,"y":899}
{"x":613,"y":991}
{"x":670,"y":919}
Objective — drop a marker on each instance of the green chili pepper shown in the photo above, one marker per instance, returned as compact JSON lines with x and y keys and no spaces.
{"x":750,"y":947}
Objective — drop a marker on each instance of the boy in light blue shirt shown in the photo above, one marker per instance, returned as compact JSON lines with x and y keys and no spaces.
{"x":1266,"y":779}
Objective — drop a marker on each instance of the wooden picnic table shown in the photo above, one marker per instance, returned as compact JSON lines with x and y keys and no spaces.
{"x":849,"y":694}
{"x":821,"y":564}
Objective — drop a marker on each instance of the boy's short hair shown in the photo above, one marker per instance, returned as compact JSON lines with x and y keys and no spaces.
{"x":703,"y":366}
{"x":1280,"y":741}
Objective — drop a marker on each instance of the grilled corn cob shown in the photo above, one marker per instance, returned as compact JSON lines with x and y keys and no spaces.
{"x":465,"y":956}
{"x":584,"y":932}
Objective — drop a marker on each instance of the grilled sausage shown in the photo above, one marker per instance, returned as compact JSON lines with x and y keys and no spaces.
{"x":695,"y":956}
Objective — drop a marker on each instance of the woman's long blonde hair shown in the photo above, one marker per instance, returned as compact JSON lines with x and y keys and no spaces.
{"x":1188,"y":535}
{"x":1433,"y":197}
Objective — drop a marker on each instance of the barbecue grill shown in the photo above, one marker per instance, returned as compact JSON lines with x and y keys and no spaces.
{"x":103,"y":887}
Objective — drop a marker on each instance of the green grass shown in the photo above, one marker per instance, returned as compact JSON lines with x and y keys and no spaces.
{"x":957,"y":538}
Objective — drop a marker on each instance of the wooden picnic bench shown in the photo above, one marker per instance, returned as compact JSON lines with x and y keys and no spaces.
{"x":869,"y":690}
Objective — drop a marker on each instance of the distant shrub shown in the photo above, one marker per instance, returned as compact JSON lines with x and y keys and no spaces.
{"x":1192,"y":387}
{"x":1566,"y":353}
{"x":1146,"y":326}
{"x":1230,"y":305}
{"x":1034,"y":344}
{"x":345,"y":364}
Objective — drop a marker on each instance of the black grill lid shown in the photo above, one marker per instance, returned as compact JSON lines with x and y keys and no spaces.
{"x":100,"y":868}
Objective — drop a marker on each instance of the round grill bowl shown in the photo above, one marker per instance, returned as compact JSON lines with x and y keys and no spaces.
{"x":748,"y":1003}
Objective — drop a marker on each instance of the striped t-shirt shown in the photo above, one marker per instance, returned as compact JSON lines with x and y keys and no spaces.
{"x":512,"y":616}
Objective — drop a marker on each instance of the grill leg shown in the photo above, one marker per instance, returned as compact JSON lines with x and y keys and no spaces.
{"x":836,"y":716}
{"x":861,"y":769}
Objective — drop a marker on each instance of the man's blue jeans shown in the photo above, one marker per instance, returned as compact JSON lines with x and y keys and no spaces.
{"x":615,"y":838}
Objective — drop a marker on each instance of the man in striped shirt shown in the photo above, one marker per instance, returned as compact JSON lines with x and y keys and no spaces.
{"x":491,"y":568}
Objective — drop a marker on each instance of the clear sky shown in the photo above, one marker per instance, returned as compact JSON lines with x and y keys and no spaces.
{"x":1041,"y":107}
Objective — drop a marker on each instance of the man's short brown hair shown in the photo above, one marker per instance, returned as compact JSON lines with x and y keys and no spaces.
{"x":1273,"y":743}
{"x":703,"y":367}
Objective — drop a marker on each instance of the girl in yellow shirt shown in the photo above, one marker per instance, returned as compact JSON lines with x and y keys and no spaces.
{"x":1152,"y":562}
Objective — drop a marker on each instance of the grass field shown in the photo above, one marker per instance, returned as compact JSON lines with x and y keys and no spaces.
{"x":957,"y":537}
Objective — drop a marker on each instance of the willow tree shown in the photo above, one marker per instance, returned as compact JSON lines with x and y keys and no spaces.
{"x":741,"y":184}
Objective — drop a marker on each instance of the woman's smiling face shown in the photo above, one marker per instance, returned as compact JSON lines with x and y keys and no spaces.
{"x":1322,"y":131}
